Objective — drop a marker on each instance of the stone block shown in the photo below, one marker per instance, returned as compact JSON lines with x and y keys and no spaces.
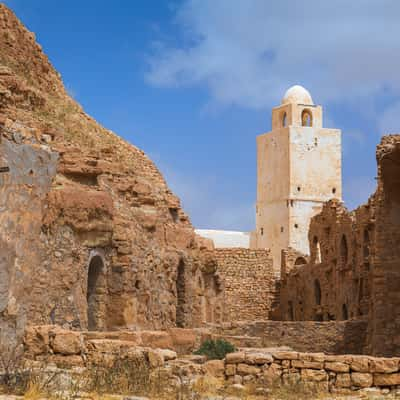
{"x":314,"y":375}
{"x":244,"y":369}
{"x":315,"y":357}
{"x":37,"y":340}
{"x":235,"y":358}
{"x":230,"y":369}
{"x":307,"y":364}
{"x":343,"y":381}
{"x":337,"y":367}
{"x":258,"y":358}
{"x":156,"y":358}
{"x":386,"y":365}
{"x":157,"y":339}
{"x":386,"y":379}
{"x":285,"y":355}
{"x":167,"y":354}
{"x":67,"y":343}
{"x":273,"y":373}
{"x":215,"y":368}
{"x":361,"y":380}
{"x":184,"y":340}
{"x":360,"y":364}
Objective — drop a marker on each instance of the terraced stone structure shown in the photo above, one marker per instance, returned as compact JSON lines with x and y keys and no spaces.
{"x":91,"y":237}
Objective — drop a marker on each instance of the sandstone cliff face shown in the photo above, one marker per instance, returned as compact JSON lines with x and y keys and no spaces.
{"x":91,"y":235}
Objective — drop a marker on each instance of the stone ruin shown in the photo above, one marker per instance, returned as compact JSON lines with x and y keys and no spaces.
{"x":97,"y":256}
{"x":92,"y":236}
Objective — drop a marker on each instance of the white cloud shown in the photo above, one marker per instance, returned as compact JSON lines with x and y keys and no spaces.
{"x":247,"y":52}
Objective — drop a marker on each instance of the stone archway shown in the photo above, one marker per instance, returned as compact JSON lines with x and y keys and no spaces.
{"x":95,"y":293}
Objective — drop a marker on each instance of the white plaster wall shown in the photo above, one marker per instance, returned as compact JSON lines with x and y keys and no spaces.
{"x":224,"y":239}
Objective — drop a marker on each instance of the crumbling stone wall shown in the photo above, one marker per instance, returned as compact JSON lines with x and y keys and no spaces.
{"x":354,"y":267}
{"x":91,"y":235}
{"x":332,"y":337}
{"x":250,"y":284}
{"x":336,"y":282}
{"x":384,"y":328}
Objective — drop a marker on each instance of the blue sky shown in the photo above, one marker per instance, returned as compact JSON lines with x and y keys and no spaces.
{"x":192,"y":83}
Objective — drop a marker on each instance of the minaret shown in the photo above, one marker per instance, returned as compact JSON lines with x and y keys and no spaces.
{"x":298,"y":169}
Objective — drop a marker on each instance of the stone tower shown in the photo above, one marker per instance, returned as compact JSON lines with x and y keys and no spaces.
{"x":298,"y":169}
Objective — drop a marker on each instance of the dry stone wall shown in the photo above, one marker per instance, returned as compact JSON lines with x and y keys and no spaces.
{"x":331,"y":373}
{"x":250,"y":284}
{"x":344,"y":337}
{"x":258,"y":367}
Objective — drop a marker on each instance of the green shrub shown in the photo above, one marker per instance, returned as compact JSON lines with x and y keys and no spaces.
{"x":215,"y":349}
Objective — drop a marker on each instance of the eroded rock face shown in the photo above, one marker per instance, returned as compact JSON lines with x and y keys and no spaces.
{"x":91,"y":235}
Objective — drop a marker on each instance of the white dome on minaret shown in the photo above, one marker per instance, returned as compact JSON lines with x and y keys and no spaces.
{"x":297,"y":95}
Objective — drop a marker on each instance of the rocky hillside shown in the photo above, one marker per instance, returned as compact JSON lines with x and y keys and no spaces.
{"x":91,"y":234}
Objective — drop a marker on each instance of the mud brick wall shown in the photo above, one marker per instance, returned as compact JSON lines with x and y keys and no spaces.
{"x":250,"y":285}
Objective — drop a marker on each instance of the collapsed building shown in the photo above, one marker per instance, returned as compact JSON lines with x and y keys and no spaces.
{"x":93,"y":239}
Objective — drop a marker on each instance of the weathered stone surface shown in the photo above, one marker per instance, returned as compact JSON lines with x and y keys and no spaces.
{"x":285,"y":355}
{"x":184,"y":340}
{"x":273,"y":373}
{"x":387,"y":379}
{"x":235,"y":358}
{"x":361,"y":380}
{"x":67,"y":343}
{"x":360,"y":364}
{"x":258,"y":358}
{"x":314,"y":375}
{"x":337,"y":367}
{"x":156,"y":358}
{"x":230,"y":369}
{"x":215,"y":368}
{"x":245,"y":369}
{"x":384,"y":365}
{"x":343,"y":380}
{"x":307,"y":364}
{"x":157,"y":339}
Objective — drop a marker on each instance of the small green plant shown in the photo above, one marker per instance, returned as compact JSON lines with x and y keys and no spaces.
{"x":215,"y":349}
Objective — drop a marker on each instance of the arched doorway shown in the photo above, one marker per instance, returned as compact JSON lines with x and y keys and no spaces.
{"x":95,"y":290}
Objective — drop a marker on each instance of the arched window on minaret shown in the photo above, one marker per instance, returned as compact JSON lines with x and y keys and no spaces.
{"x":306,"y":117}
{"x":284,"y":119}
